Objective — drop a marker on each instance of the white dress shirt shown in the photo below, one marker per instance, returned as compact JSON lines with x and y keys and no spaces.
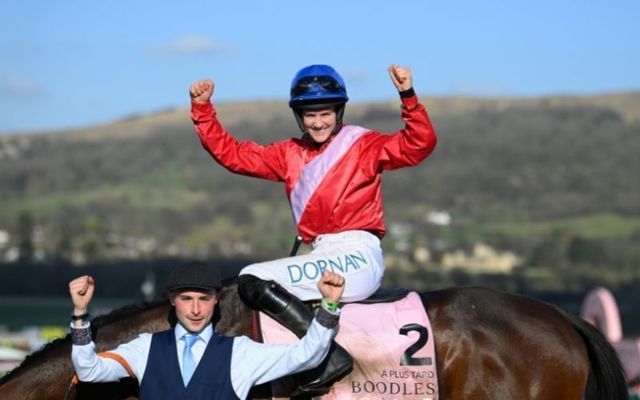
{"x":252,"y":363}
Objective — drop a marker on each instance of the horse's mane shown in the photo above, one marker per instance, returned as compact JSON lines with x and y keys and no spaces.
{"x":113,"y":316}
{"x":34,"y":356}
{"x":126,"y":311}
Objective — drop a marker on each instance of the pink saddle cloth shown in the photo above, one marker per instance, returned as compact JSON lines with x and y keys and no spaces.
{"x":392,"y":347}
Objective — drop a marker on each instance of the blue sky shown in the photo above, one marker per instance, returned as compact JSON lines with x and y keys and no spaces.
{"x":66,"y":64}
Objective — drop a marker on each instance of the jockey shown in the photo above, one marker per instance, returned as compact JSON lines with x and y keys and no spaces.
{"x":332,"y":175}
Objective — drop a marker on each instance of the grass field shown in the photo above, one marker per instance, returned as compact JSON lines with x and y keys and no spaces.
{"x":597,"y":226}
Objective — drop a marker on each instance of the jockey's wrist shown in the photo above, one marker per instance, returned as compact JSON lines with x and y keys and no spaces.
{"x":407,"y":93}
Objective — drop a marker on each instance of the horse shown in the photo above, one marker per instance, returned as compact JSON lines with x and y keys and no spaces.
{"x":489,"y":344}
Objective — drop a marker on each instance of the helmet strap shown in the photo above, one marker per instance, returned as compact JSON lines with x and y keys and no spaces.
{"x":297,"y":112}
{"x":339,"y":115}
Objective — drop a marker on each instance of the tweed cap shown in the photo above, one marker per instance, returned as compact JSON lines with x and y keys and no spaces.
{"x":194,"y":275}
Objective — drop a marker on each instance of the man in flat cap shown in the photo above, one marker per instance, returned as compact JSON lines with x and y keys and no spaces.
{"x":192,"y":360}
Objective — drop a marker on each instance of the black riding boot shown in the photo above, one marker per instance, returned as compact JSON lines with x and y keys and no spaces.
{"x":276,"y":302}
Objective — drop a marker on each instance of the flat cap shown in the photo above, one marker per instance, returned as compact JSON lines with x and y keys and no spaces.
{"x":194,"y":275}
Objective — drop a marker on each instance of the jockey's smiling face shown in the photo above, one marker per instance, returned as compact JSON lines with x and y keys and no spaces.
{"x":194,"y":309}
{"x":319,"y":124}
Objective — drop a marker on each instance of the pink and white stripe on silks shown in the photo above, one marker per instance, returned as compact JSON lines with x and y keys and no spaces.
{"x":314,"y":172}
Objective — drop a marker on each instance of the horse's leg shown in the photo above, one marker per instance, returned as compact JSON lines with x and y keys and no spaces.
{"x":491,"y":345}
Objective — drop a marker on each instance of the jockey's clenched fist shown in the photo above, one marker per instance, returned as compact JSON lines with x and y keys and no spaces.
{"x":201,"y":91}
{"x":401,"y":77}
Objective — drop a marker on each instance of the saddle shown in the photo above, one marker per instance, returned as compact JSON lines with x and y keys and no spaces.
{"x":385,"y":296}
{"x":390,"y":339}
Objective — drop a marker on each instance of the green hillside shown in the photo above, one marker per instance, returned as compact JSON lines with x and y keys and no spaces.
{"x":513,"y":173}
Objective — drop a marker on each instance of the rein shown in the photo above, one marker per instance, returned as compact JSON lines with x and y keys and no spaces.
{"x":73,"y":382}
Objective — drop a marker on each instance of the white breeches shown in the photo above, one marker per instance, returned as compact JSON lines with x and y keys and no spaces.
{"x":356,"y":255}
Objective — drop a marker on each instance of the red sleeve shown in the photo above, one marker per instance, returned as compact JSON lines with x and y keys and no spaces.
{"x":412,"y":144}
{"x":245,"y":158}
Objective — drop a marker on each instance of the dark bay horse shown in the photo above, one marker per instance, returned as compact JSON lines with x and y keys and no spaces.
{"x":489,"y":345}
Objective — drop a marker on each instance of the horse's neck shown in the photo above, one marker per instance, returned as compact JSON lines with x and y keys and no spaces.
{"x":45,"y":374}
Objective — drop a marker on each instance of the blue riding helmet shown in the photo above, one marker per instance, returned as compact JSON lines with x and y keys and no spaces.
{"x":318,"y":86}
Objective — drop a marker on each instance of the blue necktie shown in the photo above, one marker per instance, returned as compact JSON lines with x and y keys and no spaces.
{"x":188,"y":362}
